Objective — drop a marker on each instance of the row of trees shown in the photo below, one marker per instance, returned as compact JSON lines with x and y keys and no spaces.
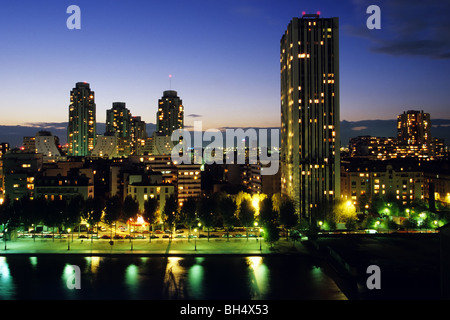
{"x":218,"y":210}
{"x":381,"y":212}
{"x":61,"y":215}
{"x":223,"y":210}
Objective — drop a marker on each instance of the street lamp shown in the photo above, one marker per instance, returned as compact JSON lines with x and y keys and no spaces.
{"x":377,"y":223}
{"x":260,"y":240}
{"x":256,"y":224}
{"x":195,"y":240}
{"x":68,"y":239}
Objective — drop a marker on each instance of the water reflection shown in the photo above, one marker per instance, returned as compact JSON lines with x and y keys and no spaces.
{"x":6,"y":281}
{"x":196,"y":278}
{"x":174,"y":279}
{"x":258,"y":277}
{"x":131,"y":277}
{"x":92,"y":264}
{"x":33,"y":262}
{"x":132,"y":280}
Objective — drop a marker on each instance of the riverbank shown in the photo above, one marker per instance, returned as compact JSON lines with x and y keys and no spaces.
{"x":177,"y":247}
{"x":409,"y":264}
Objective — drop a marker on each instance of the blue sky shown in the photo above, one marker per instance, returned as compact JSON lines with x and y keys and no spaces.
{"x":223,"y":57}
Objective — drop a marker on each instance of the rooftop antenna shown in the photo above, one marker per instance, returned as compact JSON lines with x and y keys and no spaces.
{"x":170,"y":82}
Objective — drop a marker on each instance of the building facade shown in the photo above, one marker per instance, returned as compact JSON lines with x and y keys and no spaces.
{"x":81,"y":131}
{"x":310,"y":137}
{"x":170,"y":115}
{"x":394,"y":179}
{"x":47,"y":144}
{"x":414,"y":134}
{"x":19,"y":169}
{"x":118,"y":120}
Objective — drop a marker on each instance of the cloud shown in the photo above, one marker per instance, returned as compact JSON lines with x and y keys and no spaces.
{"x":359,"y":128}
{"x":194,"y":115}
{"x":47,"y":125}
{"x":408,"y":28}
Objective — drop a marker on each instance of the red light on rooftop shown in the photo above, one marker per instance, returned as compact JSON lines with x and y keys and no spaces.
{"x":303,"y":13}
{"x":318,"y":13}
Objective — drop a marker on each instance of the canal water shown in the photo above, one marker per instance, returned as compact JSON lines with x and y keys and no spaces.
{"x":129,"y":277}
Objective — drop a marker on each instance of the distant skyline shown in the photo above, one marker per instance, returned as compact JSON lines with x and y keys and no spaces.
{"x":223,"y":57}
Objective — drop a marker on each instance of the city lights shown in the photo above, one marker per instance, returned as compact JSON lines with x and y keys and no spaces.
{"x":113,"y":197}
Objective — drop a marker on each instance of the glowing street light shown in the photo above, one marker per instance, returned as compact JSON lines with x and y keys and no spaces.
{"x":195,"y":239}
{"x":68,"y":239}
{"x":260,"y":240}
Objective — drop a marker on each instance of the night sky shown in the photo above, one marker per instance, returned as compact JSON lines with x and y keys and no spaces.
{"x":223,"y":57}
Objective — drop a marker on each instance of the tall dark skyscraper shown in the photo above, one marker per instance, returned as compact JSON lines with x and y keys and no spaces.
{"x":310,"y":139}
{"x":170,"y":115}
{"x":81,"y":132}
{"x":118,"y":120}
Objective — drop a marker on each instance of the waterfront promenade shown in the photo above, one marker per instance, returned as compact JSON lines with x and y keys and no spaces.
{"x":202,"y":246}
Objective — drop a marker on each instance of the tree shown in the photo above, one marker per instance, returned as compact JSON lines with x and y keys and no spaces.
{"x":113,"y":211}
{"x":362,"y":202}
{"x":295,"y":236}
{"x":54,"y":213}
{"x":130,"y":210}
{"x":189,"y":213}
{"x":246,"y":214}
{"x":267,"y":213}
{"x":240,"y":197}
{"x":38,"y":212}
{"x":325,"y":215}
{"x":150,"y":214}
{"x":26,"y":214}
{"x":8,"y":216}
{"x":271,"y":233}
{"x":344,"y":211}
{"x":276,"y":202}
{"x":72,"y":215}
{"x":206,"y":208}
{"x":288,"y":218}
{"x":93,"y":210}
{"x":228,"y":210}
{"x":170,"y":211}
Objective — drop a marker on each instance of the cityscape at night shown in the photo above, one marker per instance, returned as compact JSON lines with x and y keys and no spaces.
{"x":244,"y":151}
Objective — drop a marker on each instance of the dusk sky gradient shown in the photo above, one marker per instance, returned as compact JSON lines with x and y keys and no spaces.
{"x":223,"y":55}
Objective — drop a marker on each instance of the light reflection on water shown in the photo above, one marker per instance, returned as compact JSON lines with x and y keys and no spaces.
{"x":258,"y":277}
{"x":215,"y":277}
{"x":6,"y":282}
